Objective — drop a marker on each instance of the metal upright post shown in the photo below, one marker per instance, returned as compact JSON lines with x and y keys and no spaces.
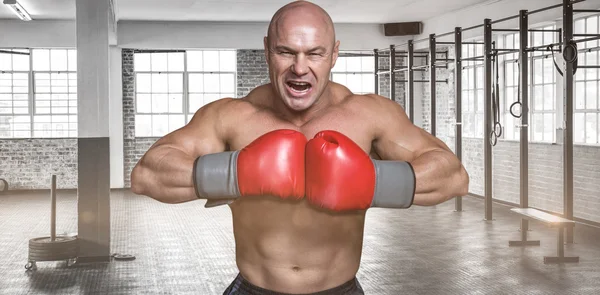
{"x":568,"y":132}
{"x":458,"y":95}
{"x":524,"y":147}
{"x":432,"y":83}
{"x":392,"y":73}
{"x":410,"y":88}
{"x":376,"y":76}
{"x":487,"y":147}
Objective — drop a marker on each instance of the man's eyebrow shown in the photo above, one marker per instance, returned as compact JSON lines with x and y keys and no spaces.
{"x":285,"y":48}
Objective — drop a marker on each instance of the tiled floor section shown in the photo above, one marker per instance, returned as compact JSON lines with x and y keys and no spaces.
{"x":187,"y":249}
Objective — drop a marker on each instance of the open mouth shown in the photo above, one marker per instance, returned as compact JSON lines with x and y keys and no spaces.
{"x":299,"y":87}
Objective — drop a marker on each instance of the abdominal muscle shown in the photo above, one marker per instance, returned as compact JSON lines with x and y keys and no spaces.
{"x":291,"y":247}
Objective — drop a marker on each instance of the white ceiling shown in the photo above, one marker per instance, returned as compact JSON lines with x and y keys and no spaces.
{"x":342,"y":11}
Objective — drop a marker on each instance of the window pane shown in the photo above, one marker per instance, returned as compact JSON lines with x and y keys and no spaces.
{"x":141,"y":62}
{"x":549,"y":97}
{"x":159,"y":62}
{"x":538,"y":71}
{"x":548,"y":127}
{"x":175,"y":83}
{"x":354,"y":83}
{"x":211,"y":61}
{"x":368,"y":63}
{"x":160,"y":83}
{"x":160,"y":103}
{"x":591,"y":128}
{"x":143,"y":83}
{"x":144,"y":103}
{"x":58,"y":60}
{"x":353,"y":64}
{"x":227,"y":60}
{"x":72,"y":57}
{"x":160,"y":125}
{"x":175,"y":61}
{"x":340,"y":65}
{"x":196,"y":82}
{"x":538,"y":97}
{"x":211,"y":83}
{"x":41,"y":59}
{"x":538,"y":121}
{"x":479,"y":101}
{"x":227,"y":83}
{"x":176,"y":122}
{"x":20,"y":62}
{"x":6,"y":61}
{"x":339,"y":78}
{"x":579,"y":27}
{"x":579,"y":95}
{"x":196,"y":102}
{"x":194,"y":61}
{"x":591,"y":59}
{"x":368,"y":83}
{"x":143,"y":125}
{"x":509,"y":74}
{"x":480,"y":77}
{"x":579,"y":128}
{"x":175,"y":103}
{"x":591,"y":95}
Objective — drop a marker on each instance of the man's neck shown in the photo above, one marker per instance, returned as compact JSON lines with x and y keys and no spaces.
{"x":300,"y":118}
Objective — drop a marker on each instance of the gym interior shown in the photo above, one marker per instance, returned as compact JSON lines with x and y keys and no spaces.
{"x":510,"y":86}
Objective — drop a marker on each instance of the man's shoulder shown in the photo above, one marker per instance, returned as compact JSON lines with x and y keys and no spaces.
{"x":371,"y":102}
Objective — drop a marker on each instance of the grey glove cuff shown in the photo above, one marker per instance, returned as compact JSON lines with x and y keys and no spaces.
{"x":395,"y":185}
{"x":215,"y":176}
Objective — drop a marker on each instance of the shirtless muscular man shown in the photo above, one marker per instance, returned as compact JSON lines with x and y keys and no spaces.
{"x":299,"y":161}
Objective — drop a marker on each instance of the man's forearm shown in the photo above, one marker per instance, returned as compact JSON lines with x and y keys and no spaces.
{"x":164,"y":174}
{"x":440,"y":177}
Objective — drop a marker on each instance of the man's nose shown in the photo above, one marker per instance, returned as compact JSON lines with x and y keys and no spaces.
{"x":300,"y":66}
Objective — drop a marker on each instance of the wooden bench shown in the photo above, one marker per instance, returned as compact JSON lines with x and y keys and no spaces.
{"x":553,"y":221}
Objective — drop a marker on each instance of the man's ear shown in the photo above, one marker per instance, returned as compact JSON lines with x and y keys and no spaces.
{"x":266,"y":45}
{"x":336,"y":53}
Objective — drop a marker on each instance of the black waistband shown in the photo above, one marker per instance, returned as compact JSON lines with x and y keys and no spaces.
{"x":241,"y":286}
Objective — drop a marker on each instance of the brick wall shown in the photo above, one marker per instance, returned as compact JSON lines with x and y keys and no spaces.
{"x":30,"y":163}
{"x":545,"y":161}
{"x":252,"y":70}
{"x":384,"y":80}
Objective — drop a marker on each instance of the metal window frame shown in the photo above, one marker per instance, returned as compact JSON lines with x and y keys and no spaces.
{"x":185,"y":83}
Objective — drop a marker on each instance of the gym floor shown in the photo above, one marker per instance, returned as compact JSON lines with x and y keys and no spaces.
{"x":187,"y":249}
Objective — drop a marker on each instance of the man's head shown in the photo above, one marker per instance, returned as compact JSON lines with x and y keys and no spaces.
{"x":301,"y":50}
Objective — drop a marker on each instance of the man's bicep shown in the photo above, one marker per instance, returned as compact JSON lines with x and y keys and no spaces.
{"x":402,"y":140}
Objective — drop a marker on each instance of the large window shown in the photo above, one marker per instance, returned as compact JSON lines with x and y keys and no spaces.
{"x":586,"y":107}
{"x":355,"y":72}
{"x":472,"y":92}
{"x":38,"y":93}
{"x":541,"y":85}
{"x":172,"y":86}
{"x":543,"y":88}
{"x":511,"y":86}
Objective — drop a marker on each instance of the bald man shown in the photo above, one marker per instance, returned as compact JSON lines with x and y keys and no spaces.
{"x":299,"y":161}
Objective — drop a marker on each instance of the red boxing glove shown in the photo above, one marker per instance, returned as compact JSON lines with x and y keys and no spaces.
{"x":273,"y":164}
{"x":340,"y":175}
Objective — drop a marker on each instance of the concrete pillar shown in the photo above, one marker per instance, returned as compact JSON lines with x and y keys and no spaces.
{"x":93,"y":64}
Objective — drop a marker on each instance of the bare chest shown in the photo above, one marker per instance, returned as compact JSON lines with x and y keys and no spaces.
{"x":354,"y":126}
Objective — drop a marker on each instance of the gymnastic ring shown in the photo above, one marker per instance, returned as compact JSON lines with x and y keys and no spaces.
{"x":3,"y":185}
{"x":493,"y":138}
{"x":512,"y":106}
{"x":497,"y":129}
